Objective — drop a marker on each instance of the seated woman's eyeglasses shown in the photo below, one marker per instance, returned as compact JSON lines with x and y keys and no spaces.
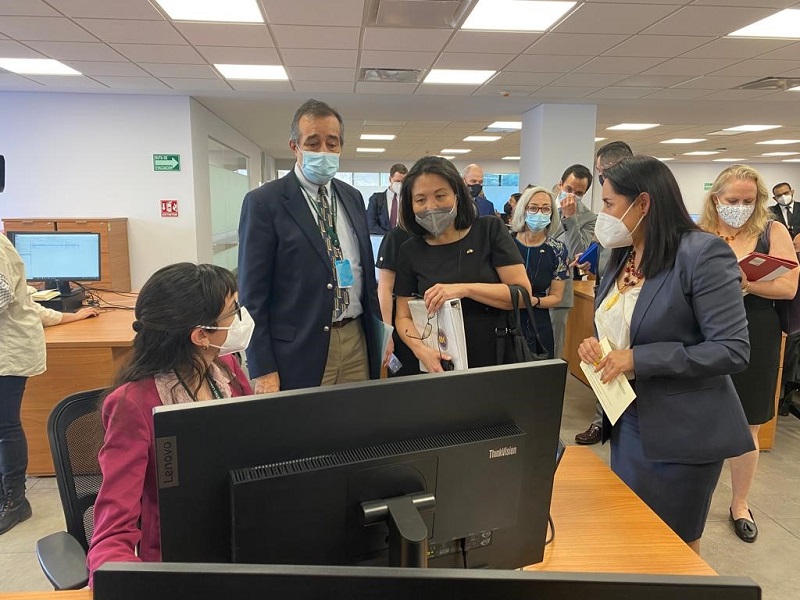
{"x":237,"y":310}
{"x":532,"y":210}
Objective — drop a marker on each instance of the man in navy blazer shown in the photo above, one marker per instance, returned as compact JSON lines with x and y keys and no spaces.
{"x":384,"y":207}
{"x":306,"y":270}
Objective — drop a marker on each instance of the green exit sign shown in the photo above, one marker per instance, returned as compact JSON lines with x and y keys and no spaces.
{"x":166,"y":162}
{"x":707,"y":186}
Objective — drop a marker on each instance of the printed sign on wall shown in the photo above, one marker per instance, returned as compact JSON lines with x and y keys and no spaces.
{"x":169,"y":208}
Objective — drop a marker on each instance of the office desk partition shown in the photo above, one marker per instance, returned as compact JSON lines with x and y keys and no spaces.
{"x":80,"y":356}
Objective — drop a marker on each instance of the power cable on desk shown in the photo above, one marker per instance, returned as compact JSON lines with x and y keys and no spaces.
{"x":552,"y":529}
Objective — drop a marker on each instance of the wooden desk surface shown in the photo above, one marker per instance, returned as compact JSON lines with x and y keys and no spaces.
{"x":584,"y":289}
{"x":111,"y":328}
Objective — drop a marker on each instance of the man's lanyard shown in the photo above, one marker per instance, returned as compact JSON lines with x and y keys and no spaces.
{"x":334,"y":211}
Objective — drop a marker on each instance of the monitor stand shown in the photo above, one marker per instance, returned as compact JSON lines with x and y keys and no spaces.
{"x":68,"y":300}
{"x":63,"y":287}
{"x":408,"y":534}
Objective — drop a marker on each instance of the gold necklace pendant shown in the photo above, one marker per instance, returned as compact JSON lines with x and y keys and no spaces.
{"x":612,"y":301}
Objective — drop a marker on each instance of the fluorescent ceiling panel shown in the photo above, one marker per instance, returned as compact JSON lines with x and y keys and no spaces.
{"x":780,"y":153}
{"x":791,"y":160}
{"x":683,"y":141}
{"x":504,"y":126}
{"x":36,"y":66}
{"x":779,"y":142}
{"x":752,"y":127}
{"x":510,"y":158}
{"x":783,"y":24}
{"x":482,"y":138}
{"x":664,"y":159}
{"x":701,"y":153}
{"x":255,"y":72}
{"x":215,"y":11}
{"x":373,"y":150}
{"x":515,"y":15}
{"x":599,"y":139}
{"x":458,"y":76}
{"x":632,"y":126}
{"x":451,"y":157}
{"x":730,"y":160}
{"x":387,"y":137}
{"x":454,"y":151}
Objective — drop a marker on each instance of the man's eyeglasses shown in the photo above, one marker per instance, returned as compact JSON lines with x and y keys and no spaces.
{"x":545,"y":210}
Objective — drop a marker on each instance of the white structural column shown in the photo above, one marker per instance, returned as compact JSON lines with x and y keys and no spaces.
{"x":553,"y":137}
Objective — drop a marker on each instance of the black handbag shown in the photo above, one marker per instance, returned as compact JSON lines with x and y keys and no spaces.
{"x":512,"y":347}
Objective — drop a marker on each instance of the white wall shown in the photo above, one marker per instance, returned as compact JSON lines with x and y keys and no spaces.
{"x":85,"y":155}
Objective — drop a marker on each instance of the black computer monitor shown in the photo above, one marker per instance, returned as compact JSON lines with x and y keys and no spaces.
{"x":315,"y":476}
{"x":117,"y":581}
{"x":58,"y":257}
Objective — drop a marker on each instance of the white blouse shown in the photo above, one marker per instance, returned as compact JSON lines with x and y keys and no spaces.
{"x":612,"y":319}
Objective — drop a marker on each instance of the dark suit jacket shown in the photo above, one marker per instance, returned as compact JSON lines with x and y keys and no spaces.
{"x":485,"y":207}
{"x":378,"y":214}
{"x":688,"y":333}
{"x":794,"y":226}
{"x":286,"y":281}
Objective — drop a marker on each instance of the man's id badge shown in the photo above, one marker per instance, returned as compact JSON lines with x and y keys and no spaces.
{"x":344,"y":273}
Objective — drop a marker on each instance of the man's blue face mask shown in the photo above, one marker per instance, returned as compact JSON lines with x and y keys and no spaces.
{"x":320,"y":167}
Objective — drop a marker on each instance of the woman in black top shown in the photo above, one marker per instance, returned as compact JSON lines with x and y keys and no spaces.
{"x":453,"y":254}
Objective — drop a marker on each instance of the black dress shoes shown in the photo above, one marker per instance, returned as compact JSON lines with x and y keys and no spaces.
{"x":591,"y":436}
{"x":745,"y":528}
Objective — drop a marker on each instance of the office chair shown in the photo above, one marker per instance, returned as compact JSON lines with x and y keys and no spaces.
{"x":75,"y":430}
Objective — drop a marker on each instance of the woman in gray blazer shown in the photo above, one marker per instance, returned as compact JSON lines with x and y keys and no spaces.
{"x":671,"y":306}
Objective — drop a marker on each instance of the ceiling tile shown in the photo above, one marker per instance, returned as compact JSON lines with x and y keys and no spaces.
{"x":107,"y":9}
{"x":566,"y":43}
{"x":239,"y":56}
{"x":261,"y":86}
{"x":662,"y":81}
{"x":135,"y":32}
{"x":376,"y":87}
{"x":381,"y":59}
{"x":613,"y":18}
{"x":589,"y":79}
{"x":736,"y":95}
{"x":77,"y":50}
{"x":297,"y":36}
{"x":296,"y":57}
{"x":314,"y":12}
{"x":617,"y":64}
{"x":383,"y":38}
{"x":666,"y":46}
{"x":623,"y":93}
{"x":780,"y":97}
{"x":736,"y":48}
{"x":547,"y":64}
{"x":507,"y":90}
{"x":564,"y":93}
{"x":465,"y":60}
{"x":523,"y":78}
{"x":768,"y":3}
{"x":689,"y":66}
{"x":714,"y":83}
{"x":132,"y":83}
{"x":252,"y":35}
{"x":12,"y":49}
{"x":678,"y":94}
{"x":433,"y":89}
{"x":179,"y":71}
{"x":708,"y":20}
{"x":324,"y":87}
{"x":10,"y":81}
{"x":491,"y":42}
{"x":758,"y":68}
{"x":160,"y":53}
{"x":59,"y":82}
{"x":31,"y":8}
{"x":51,"y":29}
{"x":316,"y":74}
{"x":197,"y":85}
{"x":785,"y":53}
{"x":113,"y":69}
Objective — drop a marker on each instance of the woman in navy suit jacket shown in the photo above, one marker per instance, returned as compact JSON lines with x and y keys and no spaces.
{"x":671,"y":306}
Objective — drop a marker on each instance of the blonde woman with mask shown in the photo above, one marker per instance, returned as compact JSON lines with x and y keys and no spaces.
{"x":736,"y":210}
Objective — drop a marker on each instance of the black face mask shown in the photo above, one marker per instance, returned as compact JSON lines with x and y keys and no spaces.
{"x":475,"y":189}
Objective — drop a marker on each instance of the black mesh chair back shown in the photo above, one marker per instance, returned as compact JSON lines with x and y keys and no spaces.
{"x":76,"y":434}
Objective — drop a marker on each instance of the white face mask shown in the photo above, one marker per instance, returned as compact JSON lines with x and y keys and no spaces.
{"x":735,"y":215}
{"x":239,"y":334}
{"x":784,"y":200}
{"x":396,"y":186}
{"x":611,"y":232}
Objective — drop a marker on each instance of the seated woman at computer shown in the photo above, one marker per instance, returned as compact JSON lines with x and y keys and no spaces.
{"x":453,"y":254}
{"x":188,"y":323}
{"x":670,"y":306}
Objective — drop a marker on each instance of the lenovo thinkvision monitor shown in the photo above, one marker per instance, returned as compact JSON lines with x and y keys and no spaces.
{"x":154,"y":581}
{"x":455,"y":469}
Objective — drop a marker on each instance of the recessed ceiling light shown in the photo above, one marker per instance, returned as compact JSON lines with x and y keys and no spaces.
{"x":458,"y":76}
{"x":512,"y":15}
{"x":701,"y":153}
{"x":455,"y":151}
{"x":730,"y":160}
{"x":792,"y":160}
{"x":752,"y":127}
{"x":36,"y":66}
{"x":482,"y":138}
{"x":779,"y":142}
{"x":510,"y":158}
{"x":374,"y":150}
{"x":684,"y":141}
{"x":632,"y":126}
{"x":387,"y":137}
{"x":724,"y":132}
{"x":504,"y":127}
{"x":450,"y":157}
{"x":255,"y":72}
{"x":780,"y":153}
{"x":599,"y":139}
{"x":794,"y":89}
{"x":664,"y":159}
{"x":783,"y":24}
{"x":229,"y":11}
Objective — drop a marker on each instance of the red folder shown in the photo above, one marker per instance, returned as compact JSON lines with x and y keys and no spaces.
{"x":763,"y":267}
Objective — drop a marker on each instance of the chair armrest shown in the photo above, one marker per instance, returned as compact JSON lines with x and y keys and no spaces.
{"x":63,"y":561}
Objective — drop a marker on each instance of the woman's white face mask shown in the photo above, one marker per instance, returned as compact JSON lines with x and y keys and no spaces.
{"x":612,"y":232}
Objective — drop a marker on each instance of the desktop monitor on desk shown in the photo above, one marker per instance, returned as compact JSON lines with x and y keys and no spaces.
{"x":453,"y":470}
{"x":58,"y":257}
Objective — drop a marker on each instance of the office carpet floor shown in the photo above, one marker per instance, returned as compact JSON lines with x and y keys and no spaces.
{"x":775,"y":501}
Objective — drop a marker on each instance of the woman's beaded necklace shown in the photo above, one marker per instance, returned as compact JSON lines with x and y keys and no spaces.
{"x":631,"y":278}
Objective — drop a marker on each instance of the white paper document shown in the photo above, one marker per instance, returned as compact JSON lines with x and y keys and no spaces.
{"x":446,"y":331}
{"x":616,"y":395}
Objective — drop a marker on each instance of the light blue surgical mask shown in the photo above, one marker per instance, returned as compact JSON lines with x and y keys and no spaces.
{"x":320,"y":167}
{"x":537,"y":222}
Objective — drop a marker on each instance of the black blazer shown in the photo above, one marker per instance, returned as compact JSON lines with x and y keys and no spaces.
{"x":688,"y":333}
{"x":794,"y":226}
{"x":286,"y":281}
{"x":378,"y":214}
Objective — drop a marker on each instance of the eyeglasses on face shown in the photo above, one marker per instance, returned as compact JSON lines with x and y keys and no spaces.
{"x":237,"y":310}
{"x":532,"y":210}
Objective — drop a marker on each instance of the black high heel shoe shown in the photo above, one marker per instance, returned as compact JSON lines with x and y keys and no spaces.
{"x":746,"y":529}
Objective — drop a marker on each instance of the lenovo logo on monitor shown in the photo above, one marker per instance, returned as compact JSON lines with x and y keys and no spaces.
{"x":503,"y":452}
